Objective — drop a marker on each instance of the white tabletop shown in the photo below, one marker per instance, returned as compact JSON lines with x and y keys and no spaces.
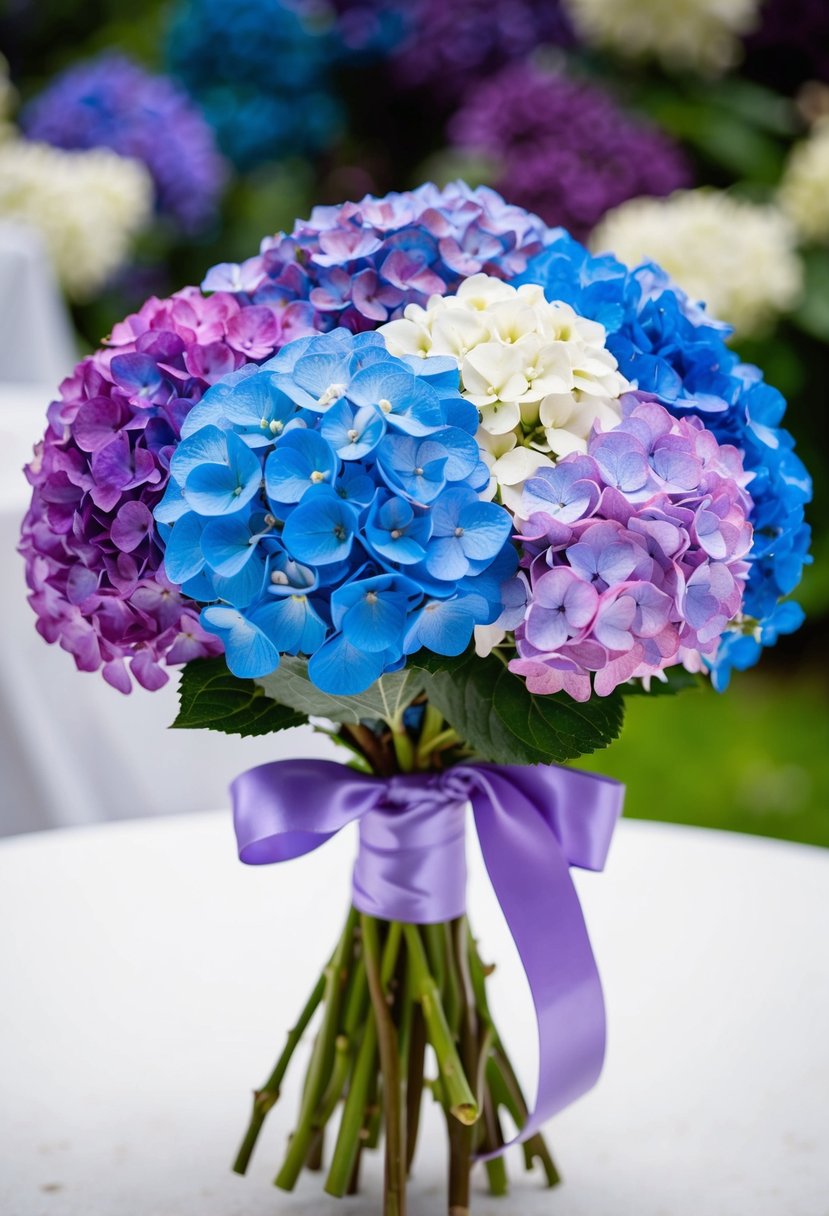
{"x":150,"y":979}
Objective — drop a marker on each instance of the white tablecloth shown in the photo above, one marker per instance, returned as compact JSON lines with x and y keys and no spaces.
{"x":36,"y":341}
{"x":150,"y":980}
{"x":72,"y":749}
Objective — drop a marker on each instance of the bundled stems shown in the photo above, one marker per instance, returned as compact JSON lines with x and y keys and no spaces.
{"x":389,"y":990}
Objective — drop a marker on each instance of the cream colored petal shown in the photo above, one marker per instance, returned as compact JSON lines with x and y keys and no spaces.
{"x":519,"y":464}
{"x":500,"y":417}
{"x":404,"y":337}
{"x":563,"y":443}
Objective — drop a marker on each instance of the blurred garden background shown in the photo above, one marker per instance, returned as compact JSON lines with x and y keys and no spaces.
{"x":146,"y":144}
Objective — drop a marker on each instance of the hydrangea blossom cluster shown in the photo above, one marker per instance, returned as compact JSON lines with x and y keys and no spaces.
{"x":450,"y":47}
{"x":804,"y":191}
{"x":669,"y":347}
{"x":88,"y":207}
{"x":635,"y":554}
{"x":359,"y":264}
{"x":703,"y":35}
{"x":92,"y":557}
{"x":262,"y":78}
{"x":538,"y":373}
{"x":111,"y":102}
{"x":737,"y":256}
{"x":562,"y":147}
{"x":327,"y":504}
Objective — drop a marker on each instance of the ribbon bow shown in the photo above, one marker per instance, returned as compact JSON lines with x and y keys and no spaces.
{"x":533,"y":823}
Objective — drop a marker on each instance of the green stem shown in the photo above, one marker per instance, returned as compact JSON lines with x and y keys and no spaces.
{"x":353,"y":1130}
{"x":506,"y":1091}
{"x":320,"y":1057}
{"x":414,"y":1082}
{"x":394,"y":1190}
{"x":435,"y":943}
{"x":266,"y":1097}
{"x":496,"y":1167}
{"x":459,"y":1097}
{"x":453,"y":1001}
{"x":403,"y":748}
{"x":461,"y":1136}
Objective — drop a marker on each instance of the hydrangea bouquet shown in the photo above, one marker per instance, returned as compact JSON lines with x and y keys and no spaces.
{"x":427,"y":474}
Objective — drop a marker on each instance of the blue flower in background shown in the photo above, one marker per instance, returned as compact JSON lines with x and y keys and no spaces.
{"x":326,"y":504}
{"x":112,"y":102}
{"x":670,"y":347}
{"x":261,"y":71}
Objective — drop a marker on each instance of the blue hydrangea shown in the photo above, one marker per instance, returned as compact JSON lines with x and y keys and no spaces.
{"x":326,"y":504}
{"x":261,"y":71}
{"x":670,"y":347}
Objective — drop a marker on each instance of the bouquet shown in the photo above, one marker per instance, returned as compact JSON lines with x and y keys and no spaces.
{"x":427,"y":474}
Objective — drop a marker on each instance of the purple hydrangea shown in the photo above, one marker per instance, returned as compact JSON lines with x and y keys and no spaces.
{"x":359,"y":264}
{"x":111,"y":102}
{"x":562,"y":147}
{"x":449,"y":46}
{"x":635,"y":553}
{"x":93,"y":556}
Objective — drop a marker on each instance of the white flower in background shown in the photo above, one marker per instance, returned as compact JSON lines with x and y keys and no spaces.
{"x":539,"y":374}
{"x":87,"y":207}
{"x":804,"y":190}
{"x":703,"y":35}
{"x":737,"y":257}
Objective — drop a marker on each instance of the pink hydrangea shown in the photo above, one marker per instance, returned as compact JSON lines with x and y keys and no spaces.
{"x":635,"y":554}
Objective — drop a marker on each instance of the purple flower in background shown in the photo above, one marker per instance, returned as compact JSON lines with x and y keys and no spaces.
{"x":625,"y":582}
{"x":93,"y":562}
{"x":448,"y":46}
{"x":562,"y":147}
{"x":111,"y":102}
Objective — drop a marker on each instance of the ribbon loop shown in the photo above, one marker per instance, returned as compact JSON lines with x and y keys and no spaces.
{"x":533,"y":823}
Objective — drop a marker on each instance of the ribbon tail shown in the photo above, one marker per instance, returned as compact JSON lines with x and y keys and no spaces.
{"x":531,"y":878}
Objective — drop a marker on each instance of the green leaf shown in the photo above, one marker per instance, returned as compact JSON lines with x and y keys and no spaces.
{"x":211,"y":698}
{"x":495,"y":714}
{"x":385,"y":699}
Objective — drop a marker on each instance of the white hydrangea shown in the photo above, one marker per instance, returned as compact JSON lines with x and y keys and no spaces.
{"x":539,"y":373}
{"x":87,"y":207}
{"x":804,"y":190}
{"x":701,"y":35}
{"x":737,"y":257}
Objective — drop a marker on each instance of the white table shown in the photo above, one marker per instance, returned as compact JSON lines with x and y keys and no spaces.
{"x":37,"y":344}
{"x":149,"y":980}
{"x":72,"y":749}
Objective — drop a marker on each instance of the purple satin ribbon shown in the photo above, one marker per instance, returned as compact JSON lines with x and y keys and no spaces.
{"x":533,"y":823}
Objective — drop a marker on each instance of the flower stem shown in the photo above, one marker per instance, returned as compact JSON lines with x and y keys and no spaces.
{"x":506,"y":1092}
{"x":461,"y":1135}
{"x":267,"y":1096}
{"x":459,"y":1097}
{"x":414,"y":1081}
{"x":394,"y":1190}
{"x":353,"y":1130}
{"x":322,"y":1052}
